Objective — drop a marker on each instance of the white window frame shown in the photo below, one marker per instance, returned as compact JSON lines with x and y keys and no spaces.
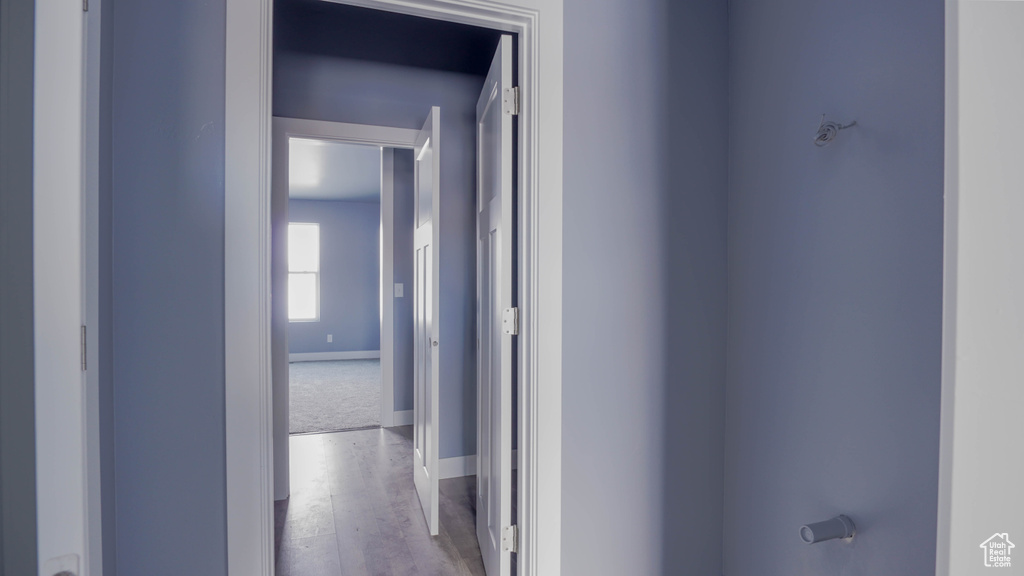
{"x":316,"y":274}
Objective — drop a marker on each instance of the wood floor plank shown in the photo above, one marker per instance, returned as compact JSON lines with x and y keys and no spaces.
{"x":315,"y":556}
{"x":362,"y":480}
{"x":457,"y":517}
{"x":308,"y":512}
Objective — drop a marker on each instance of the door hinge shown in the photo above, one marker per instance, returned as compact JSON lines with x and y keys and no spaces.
{"x":510,"y":321}
{"x":85,"y":5}
{"x":84,"y":340}
{"x":510,"y":539}
{"x":510,"y":101}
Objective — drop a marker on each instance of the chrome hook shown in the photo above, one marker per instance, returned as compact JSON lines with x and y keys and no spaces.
{"x":828,"y":130}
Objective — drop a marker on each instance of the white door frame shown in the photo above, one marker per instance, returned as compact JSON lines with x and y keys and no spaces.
{"x":538,"y":24}
{"x":980,"y":424}
{"x":91,"y":286}
{"x":387,"y":287}
{"x":388,"y":138}
{"x":65,"y":486}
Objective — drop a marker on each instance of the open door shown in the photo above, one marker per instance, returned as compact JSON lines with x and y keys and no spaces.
{"x":425,"y":327}
{"x":498,"y":321}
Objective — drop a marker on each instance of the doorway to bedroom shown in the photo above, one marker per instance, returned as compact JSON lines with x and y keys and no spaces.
{"x":333,"y":286}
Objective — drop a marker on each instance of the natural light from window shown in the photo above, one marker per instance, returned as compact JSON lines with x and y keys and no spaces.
{"x":303,"y":272}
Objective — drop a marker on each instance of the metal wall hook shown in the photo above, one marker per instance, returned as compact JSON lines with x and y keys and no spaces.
{"x":828,"y":130}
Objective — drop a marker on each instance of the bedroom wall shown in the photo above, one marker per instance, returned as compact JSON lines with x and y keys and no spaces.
{"x":349,"y":277}
{"x":403,"y":267}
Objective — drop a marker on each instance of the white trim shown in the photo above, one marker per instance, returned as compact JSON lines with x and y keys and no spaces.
{"x":387,"y":138}
{"x":288,"y":272}
{"x":979,"y":480}
{"x":326,"y":356}
{"x":949,"y":293}
{"x":248,"y":399}
{"x":280,"y":324}
{"x":456,"y":467}
{"x":401,"y":418}
{"x":58,"y":250}
{"x":93,"y":560}
{"x":247,"y":159}
{"x":459,"y":466}
{"x":387,"y":286}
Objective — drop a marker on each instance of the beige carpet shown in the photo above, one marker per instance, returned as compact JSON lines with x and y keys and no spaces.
{"x":335,"y":395}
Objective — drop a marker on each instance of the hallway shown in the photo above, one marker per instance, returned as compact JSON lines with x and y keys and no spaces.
{"x":353,"y":511}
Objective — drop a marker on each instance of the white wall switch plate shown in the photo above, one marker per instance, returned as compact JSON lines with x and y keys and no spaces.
{"x":66,"y":565}
{"x":399,"y":290}
{"x":330,"y":337}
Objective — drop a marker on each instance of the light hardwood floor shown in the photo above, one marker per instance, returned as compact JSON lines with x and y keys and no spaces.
{"x":353,"y":511}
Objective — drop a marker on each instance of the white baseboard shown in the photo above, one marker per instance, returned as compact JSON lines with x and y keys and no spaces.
{"x":402,"y":418}
{"x":323,"y":356}
{"x":456,"y":467}
{"x":463,"y":465}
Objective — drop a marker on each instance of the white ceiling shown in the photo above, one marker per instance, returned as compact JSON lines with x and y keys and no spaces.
{"x":327,"y":170}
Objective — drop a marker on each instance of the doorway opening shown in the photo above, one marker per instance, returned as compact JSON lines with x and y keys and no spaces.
{"x":536,"y":220}
{"x":333,"y":285}
{"x":449,"y":191}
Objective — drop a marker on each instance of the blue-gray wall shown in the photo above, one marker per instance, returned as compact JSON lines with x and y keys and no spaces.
{"x":694,"y":220}
{"x":340,"y":90}
{"x":644,"y":286}
{"x":349,"y":277}
{"x":835,"y":285}
{"x":403,"y":268}
{"x":17,"y":369}
{"x":168,"y":286}
{"x":612,"y":348}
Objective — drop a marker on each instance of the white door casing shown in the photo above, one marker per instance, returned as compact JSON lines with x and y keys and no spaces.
{"x":980,"y":471}
{"x":426,"y":336}
{"x":387,"y":138}
{"x":494,"y":295}
{"x":94,"y":18}
{"x":58,"y":287}
{"x":387,"y":287}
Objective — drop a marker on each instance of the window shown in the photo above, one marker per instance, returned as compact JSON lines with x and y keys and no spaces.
{"x":303,"y":272}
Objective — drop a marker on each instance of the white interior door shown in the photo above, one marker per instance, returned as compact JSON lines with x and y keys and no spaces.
{"x":425,"y":308}
{"x":497,"y":321}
